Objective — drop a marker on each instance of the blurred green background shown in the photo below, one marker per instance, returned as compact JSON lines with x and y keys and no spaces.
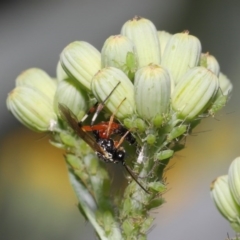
{"x":36,"y":199}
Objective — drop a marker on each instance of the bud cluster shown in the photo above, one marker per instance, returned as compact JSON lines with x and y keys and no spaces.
{"x":225,"y":192}
{"x":158,"y":85}
{"x":163,"y":76}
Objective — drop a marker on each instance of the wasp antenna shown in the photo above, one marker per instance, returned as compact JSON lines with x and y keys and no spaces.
{"x":104,"y":101}
{"x":112,"y":116}
{"x":134,"y":178}
{"x":101,"y":105}
{"x":91,"y":110}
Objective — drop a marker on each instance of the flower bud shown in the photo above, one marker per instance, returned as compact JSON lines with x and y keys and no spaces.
{"x":181,"y":53}
{"x":60,"y":73}
{"x":118,"y":51}
{"x":210,"y":62}
{"x":163,"y":40}
{"x":144,"y":35}
{"x":224,"y":200}
{"x":114,"y":83}
{"x":218,"y":103}
{"x":194,"y":92}
{"x":70,"y":94}
{"x":236,"y":227}
{"x":32,"y":108}
{"x":222,"y":96}
{"x":225,"y":85}
{"x":152,"y":88}
{"x":37,"y":79}
{"x":80,"y":60}
{"x":234,"y":179}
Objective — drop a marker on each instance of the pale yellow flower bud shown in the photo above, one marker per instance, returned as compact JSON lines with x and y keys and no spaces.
{"x":194,"y":92}
{"x":210,"y":62}
{"x":80,"y":60}
{"x":103,"y":84}
{"x":38,"y":79}
{"x":222,"y":96}
{"x":32,"y":108}
{"x":225,"y":84}
{"x":164,"y":37}
{"x":70,"y":94}
{"x":116,"y":52}
{"x":60,"y":73}
{"x":224,"y":200}
{"x":144,"y":35}
{"x":152,"y":88}
{"x":181,"y":53}
{"x":234,"y":179}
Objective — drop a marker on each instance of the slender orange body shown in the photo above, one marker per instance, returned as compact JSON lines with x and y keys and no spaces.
{"x":103,"y":128}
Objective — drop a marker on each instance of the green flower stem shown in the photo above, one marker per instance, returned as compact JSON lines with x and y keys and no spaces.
{"x":136,"y":204}
{"x":91,"y":184}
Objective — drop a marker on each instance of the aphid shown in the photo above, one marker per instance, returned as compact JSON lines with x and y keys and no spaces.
{"x":104,"y":146}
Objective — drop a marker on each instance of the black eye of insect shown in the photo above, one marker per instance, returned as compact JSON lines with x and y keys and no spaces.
{"x":101,"y":142}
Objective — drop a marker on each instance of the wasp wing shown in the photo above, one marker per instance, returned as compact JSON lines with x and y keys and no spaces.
{"x":71,"y":119}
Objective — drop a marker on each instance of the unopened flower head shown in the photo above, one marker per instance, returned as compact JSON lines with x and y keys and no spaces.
{"x":234,"y":179}
{"x":118,"y":51}
{"x":60,"y":73}
{"x":164,"y":37}
{"x":144,"y":36}
{"x":70,"y":94}
{"x":194,"y":92}
{"x":225,"y":85}
{"x":210,"y":62}
{"x":152,"y":88}
{"x":222,"y":96}
{"x":37,"y":79}
{"x":224,"y":200}
{"x":181,"y":53}
{"x":122,"y":98}
{"x":32,"y":108}
{"x":80,"y":60}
